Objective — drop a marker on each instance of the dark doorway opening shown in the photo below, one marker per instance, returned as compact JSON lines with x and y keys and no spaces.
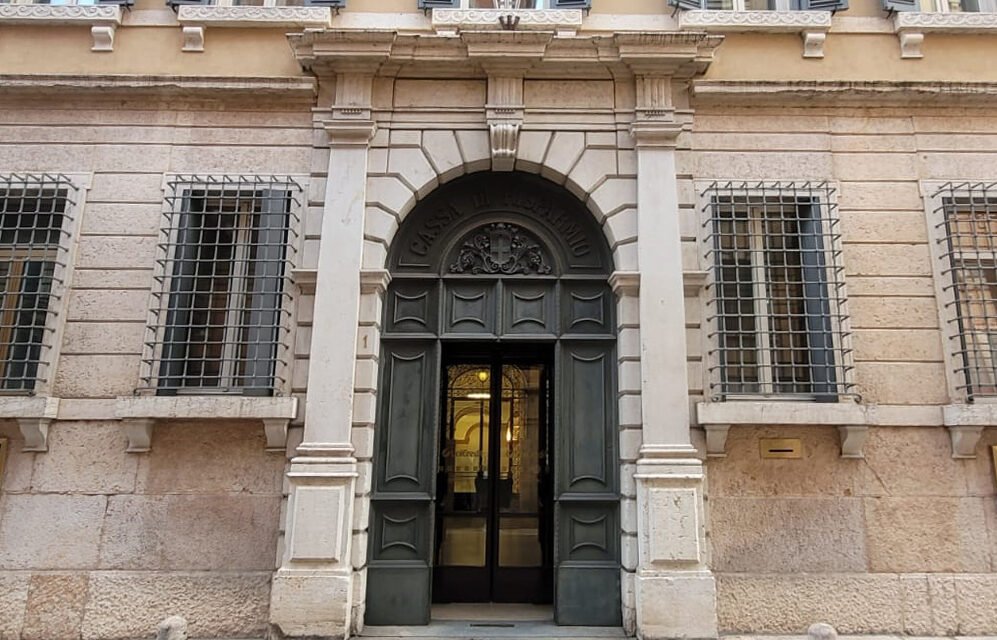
{"x":494,"y":491}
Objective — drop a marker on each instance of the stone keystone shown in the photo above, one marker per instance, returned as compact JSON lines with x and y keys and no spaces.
{"x":172,"y":628}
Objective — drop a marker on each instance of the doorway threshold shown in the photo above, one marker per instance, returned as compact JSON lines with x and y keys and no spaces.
{"x":491,"y":621}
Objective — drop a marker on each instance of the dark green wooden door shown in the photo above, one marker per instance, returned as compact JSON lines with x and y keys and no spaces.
{"x":504,"y":260}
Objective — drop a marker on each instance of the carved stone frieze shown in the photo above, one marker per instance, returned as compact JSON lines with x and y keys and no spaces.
{"x":454,"y":20}
{"x":964,"y":22}
{"x":249,"y":16}
{"x":501,"y":249}
{"x":54,"y":13}
{"x":754,"y":20}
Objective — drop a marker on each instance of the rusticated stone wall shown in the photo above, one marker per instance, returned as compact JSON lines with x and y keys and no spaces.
{"x":904,"y":540}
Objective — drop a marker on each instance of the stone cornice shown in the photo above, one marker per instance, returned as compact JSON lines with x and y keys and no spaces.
{"x":248,"y":16}
{"x":336,"y":51}
{"x":349,"y":133}
{"x":843,"y":92}
{"x":59,"y":14}
{"x":656,"y":134}
{"x":113,"y":87}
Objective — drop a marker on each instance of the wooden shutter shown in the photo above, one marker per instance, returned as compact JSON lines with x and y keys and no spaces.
{"x":823,"y":5}
{"x":177,"y":3}
{"x":571,"y":4}
{"x":325,"y":3}
{"x":688,"y":4}
{"x":901,"y":5}
{"x":443,"y":4}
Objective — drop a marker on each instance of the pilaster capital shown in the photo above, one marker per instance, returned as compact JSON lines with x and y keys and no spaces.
{"x":656,"y":134}
{"x":350,"y":133}
{"x":374,"y":280}
{"x":625,"y":283}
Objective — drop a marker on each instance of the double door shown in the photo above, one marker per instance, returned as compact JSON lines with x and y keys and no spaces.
{"x":494,"y":518}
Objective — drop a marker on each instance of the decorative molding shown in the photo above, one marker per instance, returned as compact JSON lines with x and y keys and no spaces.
{"x":654,"y":97}
{"x":656,"y":134}
{"x":111,"y":87}
{"x":254,"y":16}
{"x":965,"y":423}
{"x":451,"y":21}
{"x":59,"y":13}
{"x":813,"y":43}
{"x":852,"y":439}
{"x":193,"y":39}
{"x":625,"y":283}
{"x":139,"y":432}
{"x":501,"y":248}
{"x":770,"y":21}
{"x":374,"y":281}
{"x":963,"y":22}
{"x":504,"y":111}
{"x":103,"y":37}
{"x":350,"y":133}
{"x":693,"y":282}
{"x":35,"y":433}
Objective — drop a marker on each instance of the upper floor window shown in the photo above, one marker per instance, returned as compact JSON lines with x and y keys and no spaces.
{"x":777,"y":304}
{"x":218,"y":318}
{"x":965,"y":223}
{"x":955,"y":6}
{"x":34,"y":237}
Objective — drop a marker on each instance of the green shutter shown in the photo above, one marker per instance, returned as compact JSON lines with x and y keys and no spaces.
{"x":571,"y":4}
{"x":823,"y":5}
{"x":443,"y":4}
{"x":688,"y":4}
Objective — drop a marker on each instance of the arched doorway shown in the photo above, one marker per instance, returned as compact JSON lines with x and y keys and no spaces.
{"x":496,"y":474}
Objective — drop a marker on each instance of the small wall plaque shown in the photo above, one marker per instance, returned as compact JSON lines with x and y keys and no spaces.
{"x":781,"y":447}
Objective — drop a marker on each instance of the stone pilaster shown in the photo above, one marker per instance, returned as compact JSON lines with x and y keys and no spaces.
{"x":675,"y":590}
{"x":312,"y":590}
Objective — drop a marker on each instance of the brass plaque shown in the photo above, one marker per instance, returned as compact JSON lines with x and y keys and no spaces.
{"x":781,"y":447}
{"x":3,"y":459}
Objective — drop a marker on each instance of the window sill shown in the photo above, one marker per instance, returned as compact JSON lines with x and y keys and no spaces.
{"x":140,"y":413}
{"x":910,"y":27}
{"x":33,"y":414}
{"x":811,"y":25}
{"x":452,"y":21}
{"x":194,"y":18}
{"x":851,"y":419}
{"x":103,"y":19}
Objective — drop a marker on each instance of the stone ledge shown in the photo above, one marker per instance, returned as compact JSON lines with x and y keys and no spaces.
{"x":103,"y":19}
{"x":811,"y":25}
{"x":840,"y":92}
{"x":33,"y":414}
{"x":910,"y":27}
{"x":140,"y":413}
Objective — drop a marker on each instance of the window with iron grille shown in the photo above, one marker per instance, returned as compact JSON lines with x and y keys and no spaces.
{"x":965,"y":221}
{"x":220,"y":307}
{"x":776,"y":304}
{"x":35,"y":212}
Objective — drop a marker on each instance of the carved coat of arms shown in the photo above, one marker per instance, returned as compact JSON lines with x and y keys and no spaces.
{"x":501,"y":248}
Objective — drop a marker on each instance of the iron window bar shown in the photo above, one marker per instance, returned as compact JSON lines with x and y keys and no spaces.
{"x":35,"y":214}
{"x":967,"y":220}
{"x":776,"y":303}
{"x":219,"y":321}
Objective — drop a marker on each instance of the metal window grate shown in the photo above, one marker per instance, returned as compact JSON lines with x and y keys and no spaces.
{"x":35,"y":211}
{"x":776,"y":301}
{"x":221,"y":304}
{"x":967,"y":219}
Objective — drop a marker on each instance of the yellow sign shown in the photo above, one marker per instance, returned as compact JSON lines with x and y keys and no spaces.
{"x":781,"y":447}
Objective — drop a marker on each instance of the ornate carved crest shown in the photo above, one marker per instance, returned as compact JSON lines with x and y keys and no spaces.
{"x":501,"y":248}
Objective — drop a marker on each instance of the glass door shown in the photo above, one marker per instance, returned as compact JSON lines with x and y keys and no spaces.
{"x":493,"y":519}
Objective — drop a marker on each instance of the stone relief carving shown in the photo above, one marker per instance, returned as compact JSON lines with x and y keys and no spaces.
{"x":501,"y":248}
{"x":760,"y":20}
{"x":294,"y":15}
{"x":964,"y":21}
{"x":487,"y":19}
{"x":82,"y":13}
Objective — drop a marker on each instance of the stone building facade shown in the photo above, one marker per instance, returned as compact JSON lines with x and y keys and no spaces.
{"x":740,"y":261}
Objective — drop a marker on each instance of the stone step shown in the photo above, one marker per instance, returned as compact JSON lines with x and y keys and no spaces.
{"x":492,"y":630}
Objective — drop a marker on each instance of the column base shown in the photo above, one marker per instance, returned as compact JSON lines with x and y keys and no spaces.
{"x":676,"y":605}
{"x":311,"y":603}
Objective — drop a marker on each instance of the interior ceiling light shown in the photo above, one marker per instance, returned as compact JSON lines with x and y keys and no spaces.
{"x":479,"y":396}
